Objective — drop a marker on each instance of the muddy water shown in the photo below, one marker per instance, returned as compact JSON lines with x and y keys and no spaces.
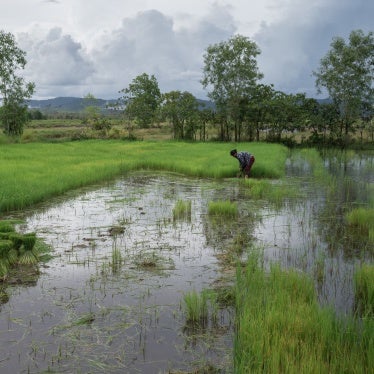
{"x":91,"y":310}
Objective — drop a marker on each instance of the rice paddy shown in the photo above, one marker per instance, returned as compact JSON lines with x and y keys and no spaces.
{"x":169,"y":273}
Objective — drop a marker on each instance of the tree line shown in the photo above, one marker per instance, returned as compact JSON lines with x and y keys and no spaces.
{"x":244,"y":108}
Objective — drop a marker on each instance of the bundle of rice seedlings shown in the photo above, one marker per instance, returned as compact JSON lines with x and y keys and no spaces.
{"x":27,"y":258}
{"x":29,"y":241}
{"x":12,"y":256}
{"x":6,"y":226}
{"x":17,"y":240}
{"x":3,"y":268}
{"x":5,"y":247}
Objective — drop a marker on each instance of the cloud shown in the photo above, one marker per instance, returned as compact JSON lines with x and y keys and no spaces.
{"x":147,"y":43}
{"x":64,"y":61}
{"x":293,"y":46}
{"x":54,"y":60}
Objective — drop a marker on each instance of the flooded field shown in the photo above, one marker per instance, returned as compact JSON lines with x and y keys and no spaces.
{"x":112,"y":297}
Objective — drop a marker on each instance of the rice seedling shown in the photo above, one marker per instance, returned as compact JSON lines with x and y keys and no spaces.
{"x":196,"y":307}
{"x":281,"y":327}
{"x":364,"y":290}
{"x":182,"y":209}
{"x":29,"y":241}
{"x":223,"y":208}
{"x":362,"y":218}
{"x":27,"y":258}
{"x":6,"y":226}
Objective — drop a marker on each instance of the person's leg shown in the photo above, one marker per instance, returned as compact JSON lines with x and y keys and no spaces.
{"x":249,"y":166}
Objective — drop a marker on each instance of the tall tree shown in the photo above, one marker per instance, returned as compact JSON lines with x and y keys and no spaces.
{"x":142,"y":99}
{"x":347,"y":74}
{"x":231,"y":73}
{"x":181,"y":108}
{"x":14,"y":89}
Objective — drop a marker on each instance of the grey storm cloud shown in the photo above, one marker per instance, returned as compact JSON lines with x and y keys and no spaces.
{"x":55,"y":60}
{"x":291,"y":47}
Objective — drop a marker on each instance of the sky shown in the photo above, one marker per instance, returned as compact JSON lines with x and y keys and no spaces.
{"x":80,"y":47}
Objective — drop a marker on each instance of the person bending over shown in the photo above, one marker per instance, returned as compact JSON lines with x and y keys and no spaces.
{"x":246,"y":161}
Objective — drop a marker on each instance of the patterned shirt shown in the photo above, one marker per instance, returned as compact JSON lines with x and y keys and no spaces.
{"x":244,"y":159}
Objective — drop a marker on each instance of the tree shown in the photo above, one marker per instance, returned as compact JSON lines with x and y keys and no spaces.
{"x":258,"y":109}
{"x":14,"y":89}
{"x":231,"y":72}
{"x":347,"y":73}
{"x":181,"y":108}
{"x":142,"y":99}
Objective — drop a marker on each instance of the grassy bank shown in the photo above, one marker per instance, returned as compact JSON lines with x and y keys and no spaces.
{"x":33,"y":172}
{"x":282,"y":329}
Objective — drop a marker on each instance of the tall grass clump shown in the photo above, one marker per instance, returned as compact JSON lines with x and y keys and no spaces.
{"x":364,"y":290}
{"x":275,"y":193}
{"x":223,"y":208}
{"x":363,"y":219}
{"x":182,"y":209}
{"x":196,"y":307}
{"x":33,"y":172}
{"x":282,"y":329}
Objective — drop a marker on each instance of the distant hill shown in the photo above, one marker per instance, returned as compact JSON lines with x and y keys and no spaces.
{"x":67,"y":104}
{"x":77,"y":104}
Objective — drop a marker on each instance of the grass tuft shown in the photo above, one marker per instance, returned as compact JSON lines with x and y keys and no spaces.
{"x":224,"y":208}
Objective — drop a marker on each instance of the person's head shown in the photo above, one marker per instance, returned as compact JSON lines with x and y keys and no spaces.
{"x":233,"y":153}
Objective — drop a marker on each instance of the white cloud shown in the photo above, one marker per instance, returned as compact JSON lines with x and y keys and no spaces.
{"x":73,"y":49}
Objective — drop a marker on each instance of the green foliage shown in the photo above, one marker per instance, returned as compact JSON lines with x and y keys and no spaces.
{"x":231,"y":74}
{"x":13,"y":89}
{"x":142,"y":99}
{"x":347,"y":73}
{"x":181,"y":109}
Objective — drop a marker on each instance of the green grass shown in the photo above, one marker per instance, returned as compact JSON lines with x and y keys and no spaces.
{"x":223,"y":208}
{"x":364,"y":290}
{"x":196,"y":307}
{"x":33,"y":172}
{"x":362,"y":218}
{"x":282,"y":329}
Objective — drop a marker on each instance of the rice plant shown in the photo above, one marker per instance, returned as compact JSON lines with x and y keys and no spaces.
{"x":282,"y":329}
{"x":364,"y":290}
{"x":196,"y":307}
{"x":223,"y":208}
